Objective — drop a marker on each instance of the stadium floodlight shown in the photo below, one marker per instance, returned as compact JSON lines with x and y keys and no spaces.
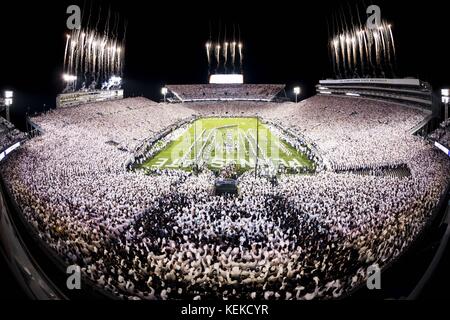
{"x":297,"y":91}
{"x":445,"y":100}
{"x":9,"y":95}
{"x":164,"y":92}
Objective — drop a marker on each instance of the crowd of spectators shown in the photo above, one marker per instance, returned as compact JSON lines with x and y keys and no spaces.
{"x":9,"y":135}
{"x":213,"y":92}
{"x":442,"y":134}
{"x":167,"y":236}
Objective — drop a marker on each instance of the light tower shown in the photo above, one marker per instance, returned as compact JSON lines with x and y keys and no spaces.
{"x":297,"y":91}
{"x":445,"y":100}
{"x":164,"y":92}
{"x":9,"y":96}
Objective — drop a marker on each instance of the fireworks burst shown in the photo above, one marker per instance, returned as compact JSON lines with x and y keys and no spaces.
{"x":92,"y":58}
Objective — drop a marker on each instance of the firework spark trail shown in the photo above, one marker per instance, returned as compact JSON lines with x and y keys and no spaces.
{"x":94,"y":55}
{"x":387,"y":49}
{"x":364,"y":49}
{"x":218,"y":57}
{"x":335,"y":46}
{"x":77,"y":49}
{"x":233,"y":55}
{"x":369,"y":46}
{"x":119,"y":62}
{"x":90,"y":54}
{"x":208,"y":54}
{"x":383,"y":46}
{"x":65,"y":53}
{"x":225,"y":55}
{"x":82,"y":48}
{"x":361,"y":50}
{"x":343,"y":46}
{"x":222,"y":55}
{"x":338,"y":58}
{"x":241,"y":57}
{"x":355,"y":49}
{"x":388,"y":46}
{"x":392,"y":41}
{"x":376,"y":39}
{"x":72,"y":51}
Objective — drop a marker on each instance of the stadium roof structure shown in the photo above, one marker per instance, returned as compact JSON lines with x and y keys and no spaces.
{"x":226,"y":92}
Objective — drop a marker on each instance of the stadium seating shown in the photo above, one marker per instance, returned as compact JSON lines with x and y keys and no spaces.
{"x":442,"y":134}
{"x":9,"y":135}
{"x":167,"y":236}
{"x":212,"y":92}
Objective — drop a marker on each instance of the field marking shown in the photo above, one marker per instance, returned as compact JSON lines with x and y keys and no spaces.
{"x":189,"y":151}
{"x":229,"y":141}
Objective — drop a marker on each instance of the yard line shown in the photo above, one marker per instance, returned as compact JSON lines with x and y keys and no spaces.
{"x":189,"y":151}
{"x":264,"y":155}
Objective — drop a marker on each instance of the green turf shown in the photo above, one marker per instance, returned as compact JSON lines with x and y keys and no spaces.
{"x":218,"y":142}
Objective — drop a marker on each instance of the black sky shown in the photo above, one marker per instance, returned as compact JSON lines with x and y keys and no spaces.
{"x":284,"y":42}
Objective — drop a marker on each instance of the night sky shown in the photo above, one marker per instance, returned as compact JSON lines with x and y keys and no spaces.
{"x":284,"y":42}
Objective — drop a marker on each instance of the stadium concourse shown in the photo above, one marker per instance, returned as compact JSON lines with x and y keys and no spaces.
{"x":166,"y":236}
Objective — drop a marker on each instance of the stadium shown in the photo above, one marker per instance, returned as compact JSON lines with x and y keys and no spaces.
{"x":227,"y":191}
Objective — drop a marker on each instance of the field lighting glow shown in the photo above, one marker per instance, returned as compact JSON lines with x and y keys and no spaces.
{"x":69,"y":78}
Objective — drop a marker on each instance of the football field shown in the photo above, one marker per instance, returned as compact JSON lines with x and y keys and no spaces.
{"x":220,"y":142}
